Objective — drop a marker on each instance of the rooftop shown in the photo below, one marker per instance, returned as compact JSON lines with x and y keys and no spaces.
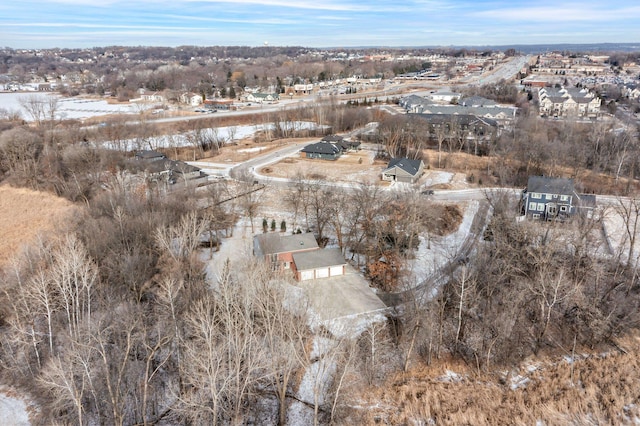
{"x":273,"y":243}
{"x":318,"y":259}
{"x":548,"y":185}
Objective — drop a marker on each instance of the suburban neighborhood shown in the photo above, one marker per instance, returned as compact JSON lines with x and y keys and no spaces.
{"x":294,"y":236}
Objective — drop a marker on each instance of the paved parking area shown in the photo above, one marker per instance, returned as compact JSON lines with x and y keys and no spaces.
{"x":342,"y":296}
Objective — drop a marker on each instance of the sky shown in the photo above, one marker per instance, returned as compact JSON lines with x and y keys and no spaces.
{"x":28,"y":24}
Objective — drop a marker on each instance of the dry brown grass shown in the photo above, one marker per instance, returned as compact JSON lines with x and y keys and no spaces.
{"x":481,"y":168}
{"x":595,"y":389}
{"x":247,"y":149}
{"x":24,"y":214}
{"x":353,"y":166}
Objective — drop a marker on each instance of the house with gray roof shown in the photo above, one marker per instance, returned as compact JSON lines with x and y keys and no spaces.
{"x":315,"y":264}
{"x":477,"y":106}
{"x":300,"y":255}
{"x":172,"y":171}
{"x":342,"y":143}
{"x":547,"y":198}
{"x":466,"y":129}
{"x":403,"y":170}
{"x":476,"y":101}
{"x":322,"y":150}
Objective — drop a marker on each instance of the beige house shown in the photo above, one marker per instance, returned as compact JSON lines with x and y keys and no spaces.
{"x":403,"y":170}
{"x":191,"y":99}
{"x":568,"y":102}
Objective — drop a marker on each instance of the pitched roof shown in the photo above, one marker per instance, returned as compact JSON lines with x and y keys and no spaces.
{"x":548,"y":185}
{"x":332,"y":138}
{"x":461,"y":119}
{"x":322,"y":148}
{"x":473,"y":101}
{"x":318,"y":259}
{"x":170,"y":165}
{"x":410,"y":166}
{"x":264,"y":244}
{"x":148,"y":154}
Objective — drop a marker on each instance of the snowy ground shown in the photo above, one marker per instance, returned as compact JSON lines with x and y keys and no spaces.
{"x":13,"y":411}
{"x":434,"y":252}
{"x":68,"y":108}
{"x":618,"y":236}
{"x":437,"y":178}
{"x":223,"y":135}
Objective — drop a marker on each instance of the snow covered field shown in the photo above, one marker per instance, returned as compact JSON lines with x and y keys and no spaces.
{"x":222,"y":135}
{"x":68,"y":108}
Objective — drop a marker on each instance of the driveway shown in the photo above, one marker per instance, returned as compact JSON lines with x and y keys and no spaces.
{"x":342,"y":296}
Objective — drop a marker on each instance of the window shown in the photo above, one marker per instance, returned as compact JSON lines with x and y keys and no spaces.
{"x":536,"y":195}
{"x":536,"y":216}
{"x":563,"y":209}
{"x":533,"y":206}
{"x":287,"y":265}
{"x":564,"y":198}
{"x":540,"y":207}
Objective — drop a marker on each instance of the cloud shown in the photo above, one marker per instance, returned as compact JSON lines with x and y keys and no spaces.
{"x":562,"y":12}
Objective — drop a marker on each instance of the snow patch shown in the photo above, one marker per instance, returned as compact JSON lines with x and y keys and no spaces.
{"x":434,"y":252}
{"x":437,"y":178}
{"x":518,"y":382}
{"x":13,"y":411}
{"x":451,"y":377}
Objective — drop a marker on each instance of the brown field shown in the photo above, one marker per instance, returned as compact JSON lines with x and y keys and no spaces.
{"x":24,"y":214}
{"x":596,"y":388}
{"x":351,"y":167}
{"x":247,"y":149}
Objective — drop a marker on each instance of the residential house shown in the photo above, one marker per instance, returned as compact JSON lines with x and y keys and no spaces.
{"x":549,"y":198}
{"x":170,"y":171}
{"x":322,"y":150}
{"x":464,"y":128}
{"x":568,"y":102}
{"x":403,"y":170}
{"x":477,"y":101}
{"x":477,"y":106}
{"x":191,"y":99}
{"x":344,"y":144}
{"x":151,"y":96}
{"x":300,"y":254}
{"x":278,"y":249}
{"x":303,"y":89}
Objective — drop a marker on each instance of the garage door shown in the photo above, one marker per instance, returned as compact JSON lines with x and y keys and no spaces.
{"x":335,"y":270}
{"x":322,"y":273}
{"x":306,"y":275}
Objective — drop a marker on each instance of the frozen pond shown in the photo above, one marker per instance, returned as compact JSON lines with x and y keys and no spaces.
{"x":68,"y":108}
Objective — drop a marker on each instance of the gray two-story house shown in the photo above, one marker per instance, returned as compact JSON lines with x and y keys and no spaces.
{"x":549,"y":198}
